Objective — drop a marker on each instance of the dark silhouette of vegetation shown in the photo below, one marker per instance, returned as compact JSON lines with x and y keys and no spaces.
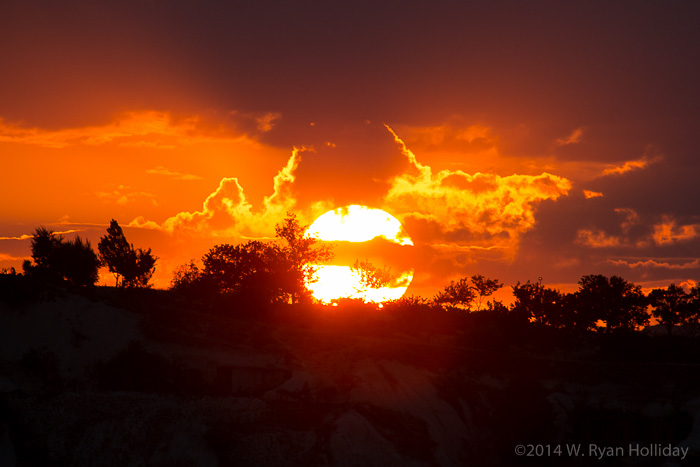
{"x":672,"y":306}
{"x":269,"y":272}
{"x":539,"y":304}
{"x":252,"y":268}
{"x":620,"y":304}
{"x":371,"y":277}
{"x":602,"y":303}
{"x":56,"y":260}
{"x":300,"y":257}
{"x":131,"y":267}
{"x":463,"y":293}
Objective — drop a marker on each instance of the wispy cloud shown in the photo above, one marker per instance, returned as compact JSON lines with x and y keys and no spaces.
{"x":29,"y":236}
{"x":573,"y":138}
{"x":630,"y":166}
{"x":592,"y":194}
{"x":122,"y":195}
{"x":7,"y":257}
{"x":160,"y":170}
{"x":596,"y":238}
{"x":134,"y":129}
{"x":267,"y":121}
{"x":651,"y":263}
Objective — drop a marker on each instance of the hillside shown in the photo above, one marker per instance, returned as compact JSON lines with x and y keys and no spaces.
{"x":143,"y":377}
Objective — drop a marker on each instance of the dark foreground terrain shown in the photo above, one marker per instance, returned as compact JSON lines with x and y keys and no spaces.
{"x":142,"y":377}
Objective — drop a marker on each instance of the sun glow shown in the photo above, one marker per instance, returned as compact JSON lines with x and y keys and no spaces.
{"x":355,"y":225}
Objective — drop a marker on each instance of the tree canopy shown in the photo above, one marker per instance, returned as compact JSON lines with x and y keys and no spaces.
{"x":672,"y":306}
{"x":370,"y":276}
{"x":270,"y":271}
{"x":463,"y":293}
{"x":57,"y":260}
{"x":131,"y":267}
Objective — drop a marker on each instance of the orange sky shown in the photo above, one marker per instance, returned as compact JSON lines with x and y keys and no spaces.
{"x":514,"y":141}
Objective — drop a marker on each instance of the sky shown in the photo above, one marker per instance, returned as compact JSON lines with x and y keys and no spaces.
{"x":512,"y":139}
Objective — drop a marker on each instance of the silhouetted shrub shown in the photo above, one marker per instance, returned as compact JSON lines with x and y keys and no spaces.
{"x":57,"y":260}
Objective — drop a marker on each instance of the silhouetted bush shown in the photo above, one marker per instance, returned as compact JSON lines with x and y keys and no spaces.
{"x":57,"y":260}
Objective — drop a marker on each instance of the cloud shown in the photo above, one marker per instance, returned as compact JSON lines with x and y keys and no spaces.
{"x":160,"y":170}
{"x":592,"y":194}
{"x":453,"y":137}
{"x":485,"y":211}
{"x":573,"y":138}
{"x":595,"y":238}
{"x":227,"y":211}
{"x":28,"y":237}
{"x":133,"y":129}
{"x":6,"y":257}
{"x":20,"y":237}
{"x":668,"y":232}
{"x":122,"y":195}
{"x":630,"y":166}
{"x":650,"y":263}
{"x":631,"y":218}
{"x":267,"y":122}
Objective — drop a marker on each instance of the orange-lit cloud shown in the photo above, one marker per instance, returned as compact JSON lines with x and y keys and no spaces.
{"x":132,"y":129}
{"x":122,"y":195}
{"x":573,"y":138}
{"x":595,"y":238}
{"x":160,"y":170}
{"x":27,"y":236}
{"x":227,"y":211}
{"x":631,"y":218}
{"x":448,"y":135}
{"x":479,"y":210}
{"x":7,"y":257}
{"x":650,"y":263}
{"x":267,"y":122}
{"x":629,"y":166}
{"x":668,"y":232}
{"x":592,"y":194}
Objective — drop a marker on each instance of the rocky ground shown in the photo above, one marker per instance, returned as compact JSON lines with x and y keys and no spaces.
{"x":146,"y":378}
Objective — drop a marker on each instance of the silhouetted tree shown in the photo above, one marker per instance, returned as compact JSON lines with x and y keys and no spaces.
{"x":457,"y":294}
{"x":620,"y":304}
{"x":371,"y":276}
{"x":185,"y":275}
{"x":268,"y":271}
{"x":57,"y":260}
{"x":79,"y":263}
{"x":300,"y":257}
{"x":672,"y":306}
{"x":131,"y":267}
{"x":461,"y":294}
{"x":253,"y":267}
{"x":539,"y":304}
{"x":485,"y":287}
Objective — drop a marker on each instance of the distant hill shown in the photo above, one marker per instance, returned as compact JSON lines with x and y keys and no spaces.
{"x":121,"y":377}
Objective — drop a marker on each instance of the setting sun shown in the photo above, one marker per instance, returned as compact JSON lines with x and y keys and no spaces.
{"x":353,"y":229}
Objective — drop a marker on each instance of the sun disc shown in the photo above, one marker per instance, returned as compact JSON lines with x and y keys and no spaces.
{"x":357,"y":224}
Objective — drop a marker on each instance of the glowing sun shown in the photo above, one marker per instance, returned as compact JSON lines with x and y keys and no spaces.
{"x":367,"y":235}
